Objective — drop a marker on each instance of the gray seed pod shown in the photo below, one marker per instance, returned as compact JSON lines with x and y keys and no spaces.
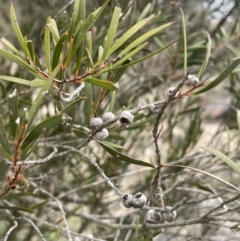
{"x":139,"y":200}
{"x":127,"y":200}
{"x":170,"y":91}
{"x":191,"y":80}
{"x":101,"y":135}
{"x":153,"y":216}
{"x":169,"y":215}
{"x":126,"y":118}
{"x":95,"y":122}
{"x":108,"y":116}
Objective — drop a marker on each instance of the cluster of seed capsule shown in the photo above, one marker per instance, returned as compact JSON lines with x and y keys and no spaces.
{"x":125,"y":119}
{"x":153,"y":216}
{"x":190,"y":80}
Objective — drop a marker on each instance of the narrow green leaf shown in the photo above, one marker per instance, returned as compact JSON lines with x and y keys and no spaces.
{"x":90,"y":64}
{"x":185,"y":43}
{"x":41,"y":94}
{"x":119,"y":73}
{"x":111,"y":31}
{"x":89,"y":103}
{"x":144,"y":37}
{"x":129,"y":63}
{"x":11,"y":47}
{"x":238,"y":122}
{"x":80,"y":133}
{"x":120,"y":156}
{"x":89,"y":42}
{"x":129,"y":55}
{"x":82,"y":10}
{"x":145,"y":11}
{"x":205,"y":173}
{"x":31,"y":49}
{"x":128,"y":34}
{"x":3,"y":137}
{"x":17,"y":31}
{"x":113,"y":145}
{"x":15,"y":208}
{"x":38,"y":205}
{"x":58,"y":50}
{"x":99,"y":10}
{"x":53,"y":29}
{"x":101,"y":83}
{"x":112,"y":101}
{"x":13,"y":112}
{"x":33,"y":83}
{"x":38,"y":130}
{"x":223,"y":157}
{"x":18,"y":60}
{"x":82,"y":34}
{"x":205,"y":62}
{"x":4,"y":153}
{"x":47,"y":46}
{"x":76,"y":9}
{"x":227,"y":71}
{"x":79,"y":58}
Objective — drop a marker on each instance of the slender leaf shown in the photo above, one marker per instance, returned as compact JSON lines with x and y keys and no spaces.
{"x":111,"y":31}
{"x":17,"y":31}
{"x":41,"y":94}
{"x":129,"y":63}
{"x":82,"y":10}
{"x":205,"y":62}
{"x":89,"y":103}
{"x":227,"y":71}
{"x":47,"y":45}
{"x":185,"y":43}
{"x":32,"y":83}
{"x":102,"y":83}
{"x":89,"y":42}
{"x":145,"y":12}
{"x":76,"y":9}
{"x":238,"y":122}
{"x":18,"y":60}
{"x":58,"y":50}
{"x":113,"y":145}
{"x":13,"y":112}
{"x":31,"y":49}
{"x":120,"y":156}
{"x":53,"y":29}
{"x":223,"y":157}
{"x":38,"y":130}
{"x":129,"y":55}
{"x":205,"y":173}
{"x":4,"y":153}
{"x":10,"y":46}
{"x":3,"y":137}
{"x":81,"y":35}
{"x":144,"y":37}
{"x":80,"y":133}
{"x":15,"y":208}
{"x":128,"y":34}
{"x":38,"y":205}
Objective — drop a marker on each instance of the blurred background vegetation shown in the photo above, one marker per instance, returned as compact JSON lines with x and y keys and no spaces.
{"x":206,"y":120}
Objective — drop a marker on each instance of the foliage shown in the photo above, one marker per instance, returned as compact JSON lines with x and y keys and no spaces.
{"x":89,"y":62}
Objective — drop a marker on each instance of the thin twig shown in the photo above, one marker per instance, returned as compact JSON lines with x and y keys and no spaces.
{"x":10,"y":230}
{"x":221,"y":205}
{"x":61,"y":210}
{"x":34,"y":226}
